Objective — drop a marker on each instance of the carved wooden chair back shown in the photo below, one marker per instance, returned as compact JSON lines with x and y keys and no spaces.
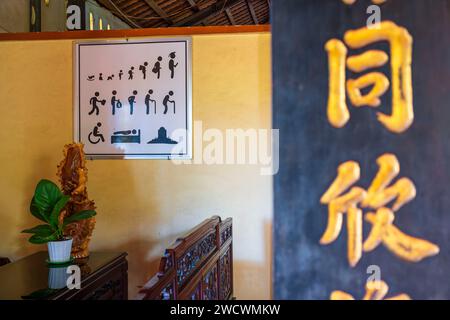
{"x":198,"y":266}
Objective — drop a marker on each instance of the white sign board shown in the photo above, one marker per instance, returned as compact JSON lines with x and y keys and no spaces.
{"x":132,"y":99}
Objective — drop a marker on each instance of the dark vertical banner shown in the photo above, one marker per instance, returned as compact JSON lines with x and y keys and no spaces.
{"x":35,"y":15}
{"x":363,"y":111}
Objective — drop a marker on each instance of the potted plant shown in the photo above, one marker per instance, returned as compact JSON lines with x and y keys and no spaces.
{"x":47,"y":205}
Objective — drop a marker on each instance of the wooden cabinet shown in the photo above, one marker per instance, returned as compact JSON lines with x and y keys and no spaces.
{"x":104,"y":276}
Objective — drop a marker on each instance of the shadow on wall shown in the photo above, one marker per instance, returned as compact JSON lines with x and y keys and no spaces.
{"x":141,"y":266}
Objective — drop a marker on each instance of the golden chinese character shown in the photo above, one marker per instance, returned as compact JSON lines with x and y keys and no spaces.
{"x":404,"y":246}
{"x":375,"y":290}
{"x":400,"y":41}
{"x":378,"y":195}
{"x":348,"y":173}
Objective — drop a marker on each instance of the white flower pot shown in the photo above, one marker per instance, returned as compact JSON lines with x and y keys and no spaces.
{"x":59,"y":251}
{"x":57,"y":277}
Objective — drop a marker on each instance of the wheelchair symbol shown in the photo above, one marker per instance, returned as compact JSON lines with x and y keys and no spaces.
{"x":96,"y":134}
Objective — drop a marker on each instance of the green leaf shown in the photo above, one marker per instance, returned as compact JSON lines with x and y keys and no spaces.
{"x":41,"y":230}
{"x":36,"y":212}
{"x":46,"y":195}
{"x":54,"y":221}
{"x":37,"y":239}
{"x":85,"y":214}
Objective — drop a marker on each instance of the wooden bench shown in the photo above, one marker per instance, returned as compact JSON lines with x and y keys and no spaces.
{"x":198,"y":266}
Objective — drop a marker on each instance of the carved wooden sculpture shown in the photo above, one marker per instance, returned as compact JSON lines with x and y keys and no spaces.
{"x":72,"y":173}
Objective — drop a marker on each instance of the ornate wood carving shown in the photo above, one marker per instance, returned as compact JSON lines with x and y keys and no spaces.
{"x":226,"y":279}
{"x":166,"y":262}
{"x":191,"y":259}
{"x":196,"y":294}
{"x":108,"y":291}
{"x":192,"y":267}
{"x":167,"y":293}
{"x":226,"y":234}
{"x":72,"y":173}
{"x":210,"y":285}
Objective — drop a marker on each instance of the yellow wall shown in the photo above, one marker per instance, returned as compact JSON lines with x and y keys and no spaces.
{"x":231,"y":89}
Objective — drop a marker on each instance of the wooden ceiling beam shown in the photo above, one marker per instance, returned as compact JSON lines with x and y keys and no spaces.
{"x":230,"y":16}
{"x":155,"y":7}
{"x":108,"y":4}
{"x":193,"y":5}
{"x":252,"y":11}
{"x":200,"y":16}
